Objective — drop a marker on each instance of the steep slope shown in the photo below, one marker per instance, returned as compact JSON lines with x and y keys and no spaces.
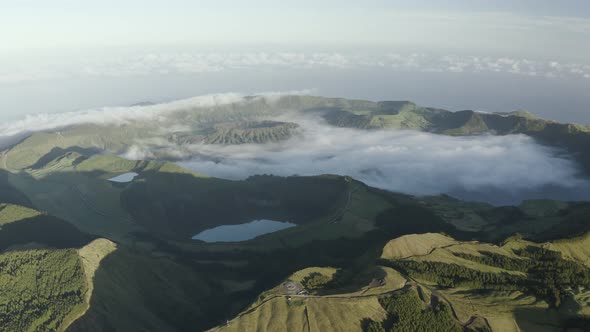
{"x":21,"y":226}
{"x":55,"y":278}
{"x":576,"y":249}
{"x":139,"y":291}
{"x":45,"y":281}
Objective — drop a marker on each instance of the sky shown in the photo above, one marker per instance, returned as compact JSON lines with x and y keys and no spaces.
{"x":446,"y":24}
{"x":65,"y":55}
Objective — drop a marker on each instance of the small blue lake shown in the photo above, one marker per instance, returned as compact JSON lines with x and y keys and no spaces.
{"x":124,"y":178}
{"x":242,"y":232}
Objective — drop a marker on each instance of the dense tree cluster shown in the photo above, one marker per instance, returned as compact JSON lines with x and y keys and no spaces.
{"x":408,"y":313}
{"x":315,"y":280}
{"x":497,"y":260}
{"x":548,"y":275}
{"x":453,"y":275}
{"x":39,"y":289}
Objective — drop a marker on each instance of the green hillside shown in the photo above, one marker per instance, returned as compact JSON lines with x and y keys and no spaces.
{"x":440,"y":284}
{"x":520,"y":285}
{"x":45,"y":283}
{"x":40,"y":288}
{"x":257,"y":132}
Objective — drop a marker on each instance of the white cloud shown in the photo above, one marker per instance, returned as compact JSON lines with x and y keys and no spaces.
{"x":113,"y":115}
{"x":216,"y":62}
{"x":124,"y":115}
{"x":403,"y":161}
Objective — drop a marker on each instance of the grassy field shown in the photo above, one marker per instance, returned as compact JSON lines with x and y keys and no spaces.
{"x":308,"y":314}
{"x":10,"y":213}
{"x":577,"y":249}
{"x":415,"y":245}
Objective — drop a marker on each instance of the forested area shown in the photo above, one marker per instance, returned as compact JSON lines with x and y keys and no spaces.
{"x":452,"y":275}
{"x":315,"y":280}
{"x":39,"y":289}
{"x":547,"y":274}
{"x":408,"y":313}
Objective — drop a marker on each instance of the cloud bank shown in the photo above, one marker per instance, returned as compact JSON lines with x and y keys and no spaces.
{"x":403,"y":161}
{"x":113,"y":115}
{"x":13,"y":131}
{"x":174,"y":63}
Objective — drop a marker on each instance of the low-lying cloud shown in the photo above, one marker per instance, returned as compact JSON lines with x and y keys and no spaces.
{"x":403,"y":161}
{"x":127,"y":114}
{"x":112,"y":115}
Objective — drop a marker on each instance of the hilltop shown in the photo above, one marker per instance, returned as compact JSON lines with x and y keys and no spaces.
{"x":436,"y":283}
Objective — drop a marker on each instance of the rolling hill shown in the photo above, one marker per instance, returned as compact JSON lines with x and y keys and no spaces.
{"x":79,"y":252}
{"x":341,"y":223}
{"x":432,"y":282}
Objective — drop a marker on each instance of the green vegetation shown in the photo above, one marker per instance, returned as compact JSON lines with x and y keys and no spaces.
{"x":548,"y":275}
{"x":538,"y":220}
{"x":39,"y":289}
{"x":452,"y":275}
{"x":518,"y":286}
{"x":258,"y":132}
{"x":315,"y":281}
{"x":408,"y":313}
{"x":10,"y":213}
